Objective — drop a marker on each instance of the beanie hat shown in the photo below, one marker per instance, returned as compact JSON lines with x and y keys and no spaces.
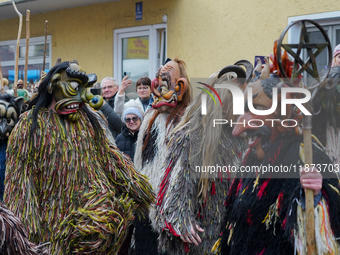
{"x":336,"y":51}
{"x":133,"y":110}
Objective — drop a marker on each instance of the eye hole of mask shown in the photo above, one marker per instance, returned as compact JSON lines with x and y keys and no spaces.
{"x":163,"y":90}
{"x":10,"y":122}
{"x":75,"y":85}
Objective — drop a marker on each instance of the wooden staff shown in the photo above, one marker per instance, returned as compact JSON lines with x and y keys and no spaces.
{"x":27,"y":45}
{"x":17,"y":52}
{"x":309,"y":195}
{"x":46,"y":25}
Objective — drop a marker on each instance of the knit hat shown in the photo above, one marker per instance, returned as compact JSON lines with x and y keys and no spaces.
{"x":132,"y":110}
{"x":336,"y":50}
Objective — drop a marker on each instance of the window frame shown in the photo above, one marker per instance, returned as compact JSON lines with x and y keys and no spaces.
{"x":31,"y":60}
{"x":324,"y":19}
{"x":331,"y":20}
{"x":148,"y":30}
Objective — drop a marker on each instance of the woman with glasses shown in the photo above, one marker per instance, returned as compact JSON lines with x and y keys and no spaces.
{"x":132,"y":117}
{"x":144,"y":100}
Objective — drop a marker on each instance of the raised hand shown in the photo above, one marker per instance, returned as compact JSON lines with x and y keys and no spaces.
{"x":125,"y":84}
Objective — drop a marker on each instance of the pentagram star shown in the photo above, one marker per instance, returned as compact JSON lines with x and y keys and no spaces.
{"x":311,"y":62}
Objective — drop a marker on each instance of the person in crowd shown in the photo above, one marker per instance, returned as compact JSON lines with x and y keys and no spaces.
{"x":144,"y":100}
{"x":336,"y":56}
{"x":264,"y":214}
{"x":109,"y":89}
{"x":20,"y":84}
{"x":132,"y":117}
{"x":5,"y":84}
{"x":126,"y":142}
{"x":36,"y":87}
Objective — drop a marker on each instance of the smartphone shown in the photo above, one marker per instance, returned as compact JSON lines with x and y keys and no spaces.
{"x":127,"y":73}
{"x":262,"y":60}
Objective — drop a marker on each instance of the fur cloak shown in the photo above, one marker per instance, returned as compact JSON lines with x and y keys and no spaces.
{"x":265,"y":215}
{"x":71,"y":187}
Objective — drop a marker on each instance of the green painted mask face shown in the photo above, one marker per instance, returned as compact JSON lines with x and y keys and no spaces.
{"x":23,"y":93}
{"x":70,"y":89}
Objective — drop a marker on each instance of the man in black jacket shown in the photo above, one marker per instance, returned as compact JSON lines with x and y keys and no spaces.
{"x":109,"y":88}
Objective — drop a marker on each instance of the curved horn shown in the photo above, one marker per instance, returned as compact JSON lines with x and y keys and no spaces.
{"x":258,"y":67}
{"x":58,"y":61}
{"x":249,"y":68}
{"x":92,"y":79}
{"x":266,"y":70}
{"x":241,"y":74}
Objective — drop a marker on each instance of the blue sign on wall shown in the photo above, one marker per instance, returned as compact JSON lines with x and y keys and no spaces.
{"x":139,"y":10}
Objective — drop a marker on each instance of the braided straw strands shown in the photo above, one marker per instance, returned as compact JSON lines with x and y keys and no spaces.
{"x":72,"y":187}
{"x":13,"y":236}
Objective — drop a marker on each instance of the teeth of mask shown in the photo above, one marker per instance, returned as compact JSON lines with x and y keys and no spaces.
{"x":72,"y":106}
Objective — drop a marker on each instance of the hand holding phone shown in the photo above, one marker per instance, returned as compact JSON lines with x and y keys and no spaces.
{"x":125,"y":82}
{"x":127,"y":74}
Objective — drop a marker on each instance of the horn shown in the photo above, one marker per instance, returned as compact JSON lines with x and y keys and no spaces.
{"x":241,"y":74}
{"x":249,"y":68}
{"x":92,"y":79}
{"x":58,"y":61}
{"x":266,"y":70}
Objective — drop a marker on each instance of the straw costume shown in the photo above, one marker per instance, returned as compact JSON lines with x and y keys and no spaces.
{"x":67,"y":183}
{"x":265,"y":211}
{"x":172,"y":94}
{"x":191,"y":197}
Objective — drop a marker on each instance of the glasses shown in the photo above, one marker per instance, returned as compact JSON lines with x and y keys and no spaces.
{"x":134,"y":119}
{"x":143,"y":88}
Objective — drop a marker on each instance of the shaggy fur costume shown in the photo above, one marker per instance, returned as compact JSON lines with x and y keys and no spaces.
{"x":3,"y":146}
{"x":14,"y":238}
{"x":70,"y":186}
{"x":190,"y":194}
{"x":327,"y":101}
{"x":178,"y":201}
{"x":265,"y":215}
{"x":149,"y":162}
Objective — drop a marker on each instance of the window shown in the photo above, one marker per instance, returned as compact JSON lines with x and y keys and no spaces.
{"x":330,"y":22}
{"x":138,"y":51}
{"x":35,"y":58}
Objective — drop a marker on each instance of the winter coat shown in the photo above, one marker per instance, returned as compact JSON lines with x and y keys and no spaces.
{"x":126,"y":142}
{"x":113,"y":119}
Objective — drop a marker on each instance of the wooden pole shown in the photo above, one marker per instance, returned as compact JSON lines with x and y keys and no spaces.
{"x":17,"y":52}
{"x":27,"y":45}
{"x":46,"y":25}
{"x":309,"y":195}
